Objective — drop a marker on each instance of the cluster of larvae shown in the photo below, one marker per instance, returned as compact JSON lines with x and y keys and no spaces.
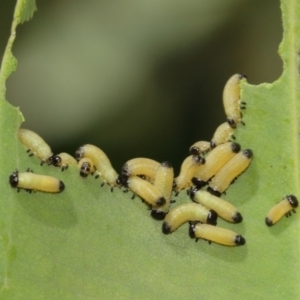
{"x":215,"y":164}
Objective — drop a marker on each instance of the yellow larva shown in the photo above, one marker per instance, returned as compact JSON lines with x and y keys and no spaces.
{"x":232,"y":100}
{"x":163,"y":182}
{"x":147,"y":191}
{"x":35,"y":144}
{"x":223,"y":208}
{"x":222,"y":135}
{"x":62,"y":160}
{"x":35,"y":182}
{"x":284,"y":207}
{"x":214,"y":161}
{"x":229,"y":172}
{"x":216,"y":234}
{"x":187,"y":171}
{"x":188,"y":212}
{"x":100,"y":161}
{"x":140,"y":166}
{"x":86,"y":167}
{"x":199,"y":148}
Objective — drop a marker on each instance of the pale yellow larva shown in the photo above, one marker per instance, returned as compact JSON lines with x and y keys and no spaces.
{"x":35,"y":145}
{"x":232,"y":100}
{"x":284,"y":207}
{"x":35,"y":182}
{"x":229,"y":172}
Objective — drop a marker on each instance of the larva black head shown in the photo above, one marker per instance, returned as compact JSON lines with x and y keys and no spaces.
{"x":248,"y":153}
{"x":202,"y":160}
{"x":212,"y":217}
{"x":239,"y":240}
{"x":198,"y":159}
{"x":231,"y":123}
{"x":213,"y":192}
{"x":54,"y":160}
{"x":61,"y":186}
{"x":194,"y":150}
{"x":166,"y":164}
{"x":192,"y":192}
{"x":122,"y":180}
{"x":160,"y":201}
{"x":166,"y":228}
{"x":269,"y":222}
{"x":235,"y":147}
{"x":242,"y":76}
{"x":158,"y":214}
{"x":79,"y":153}
{"x":237,"y":217}
{"x":192,"y":230}
{"x":212,"y":145}
{"x":198,"y":182}
{"x":125,"y":170}
{"x":85,"y":169}
{"x":14,"y":179}
{"x":83,"y":174}
{"x":292,"y":200}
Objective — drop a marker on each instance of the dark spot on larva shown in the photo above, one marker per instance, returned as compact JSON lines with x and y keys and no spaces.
{"x":292,"y":200}
{"x":14,"y":179}
{"x":160,"y":201}
{"x":158,"y":214}
{"x":231,"y":123}
{"x":212,"y":217}
{"x":166,"y":164}
{"x":235,"y":147}
{"x":166,"y":228}
{"x":269,"y":222}
{"x":198,"y":182}
{"x":213,"y":192}
{"x":192,"y":231}
{"x":248,"y":153}
{"x":237,"y":218}
{"x":239,"y":240}
{"x":61,"y":186}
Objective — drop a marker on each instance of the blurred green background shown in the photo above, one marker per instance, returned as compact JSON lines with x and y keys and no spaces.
{"x":136,"y":78}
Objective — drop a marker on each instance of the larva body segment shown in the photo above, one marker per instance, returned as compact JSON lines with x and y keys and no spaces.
{"x":35,"y":144}
{"x":229,"y":172}
{"x":232,"y":100}
{"x":214,"y":161}
{"x":216,"y":234}
{"x":62,"y":160}
{"x":100,"y":161}
{"x":35,"y":182}
{"x":163,"y":182}
{"x":188,"y":212}
{"x":284,"y":207}
{"x":223,"y":208}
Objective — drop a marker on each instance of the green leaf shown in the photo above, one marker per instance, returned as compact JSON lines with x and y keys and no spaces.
{"x":89,"y":243}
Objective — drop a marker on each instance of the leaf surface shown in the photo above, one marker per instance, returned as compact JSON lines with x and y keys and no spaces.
{"x":89,"y":243}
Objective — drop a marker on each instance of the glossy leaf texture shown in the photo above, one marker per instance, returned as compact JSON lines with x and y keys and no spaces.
{"x":89,"y":243}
